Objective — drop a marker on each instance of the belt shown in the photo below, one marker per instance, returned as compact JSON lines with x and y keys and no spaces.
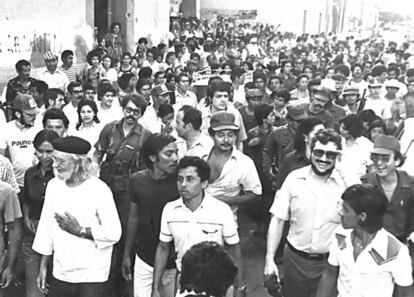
{"x":308,"y":256}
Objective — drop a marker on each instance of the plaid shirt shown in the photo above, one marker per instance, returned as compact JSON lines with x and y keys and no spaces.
{"x":7,"y":173}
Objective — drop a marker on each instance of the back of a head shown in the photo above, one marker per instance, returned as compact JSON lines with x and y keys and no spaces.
{"x":207,"y":268}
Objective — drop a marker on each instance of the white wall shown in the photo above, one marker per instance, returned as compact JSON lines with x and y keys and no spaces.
{"x":152,"y":20}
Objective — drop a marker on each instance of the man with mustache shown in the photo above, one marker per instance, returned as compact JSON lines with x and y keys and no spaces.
{"x":231,"y":170}
{"x":149,"y":191}
{"x":118,"y":153}
{"x":320,"y":97}
{"x":308,"y":200}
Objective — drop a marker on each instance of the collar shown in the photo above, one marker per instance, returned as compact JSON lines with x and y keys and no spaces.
{"x":306,"y":172}
{"x":38,"y":171}
{"x":204,"y":203}
{"x":404,"y":180}
{"x":137,"y":128}
{"x":384,"y":247}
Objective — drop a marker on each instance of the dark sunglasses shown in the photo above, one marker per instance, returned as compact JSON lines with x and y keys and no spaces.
{"x":379,"y":157}
{"x":135,"y":111}
{"x":329,"y":154}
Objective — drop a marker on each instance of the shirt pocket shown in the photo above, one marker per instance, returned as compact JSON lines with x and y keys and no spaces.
{"x":211,"y":232}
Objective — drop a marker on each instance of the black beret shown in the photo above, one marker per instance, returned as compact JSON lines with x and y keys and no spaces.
{"x":72,"y":145}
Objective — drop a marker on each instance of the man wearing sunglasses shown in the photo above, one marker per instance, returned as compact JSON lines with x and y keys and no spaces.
{"x":308,"y":200}
{"x":118,"y":152}
{"x":397,"y":186}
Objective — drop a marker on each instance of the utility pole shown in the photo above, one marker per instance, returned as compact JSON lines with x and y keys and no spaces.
{"x":344,"y":4}
{"x":304,"y":21}
{"x":327,"y":19}
{"x":320,"y":23}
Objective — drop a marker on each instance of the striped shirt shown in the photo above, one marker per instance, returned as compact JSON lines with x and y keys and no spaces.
{"x":70,"y":72}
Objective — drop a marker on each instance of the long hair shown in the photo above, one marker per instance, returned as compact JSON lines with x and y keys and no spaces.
{"x":85,"y":168}
{"x":92,"y":105}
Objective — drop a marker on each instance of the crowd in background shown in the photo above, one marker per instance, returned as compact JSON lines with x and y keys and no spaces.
{"x":289,"y":125}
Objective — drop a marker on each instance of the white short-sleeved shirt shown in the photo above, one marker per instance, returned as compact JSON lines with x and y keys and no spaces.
{"x":238,"y":173}
{"x":382,"y":264}
{"x":189,"y":98}
{"x":200,"y":148}
{"x":18,"y":141}
{"x":77,"y":259}
{"x":311,"y":209}
{"x":211,"y":221}
{"x":57,"y":79}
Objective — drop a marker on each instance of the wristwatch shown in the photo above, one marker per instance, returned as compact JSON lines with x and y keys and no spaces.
{"x":82,"y":232}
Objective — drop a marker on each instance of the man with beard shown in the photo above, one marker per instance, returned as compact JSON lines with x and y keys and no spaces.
{"x":308,"y":200}
{"x":118,"y":151}
{"x":78,"y":226}
{"x":150,"y":190}
{"x":17,"y":136}
{"x":320,"y":97}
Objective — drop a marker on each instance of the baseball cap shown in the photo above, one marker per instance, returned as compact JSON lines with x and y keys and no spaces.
{"x":159,"y":90}
{"x":296,"y":112}
{"x":48,"y":56}
{"x":350,"y":91}
{"x":25,"y":102}
{"x":339,"y":76}
{"x":385,"y":145}
{"x":375,"y":84}
{"x":223,"y":120}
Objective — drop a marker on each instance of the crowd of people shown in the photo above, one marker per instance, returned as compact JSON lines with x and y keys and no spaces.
{"x":114,"y":175}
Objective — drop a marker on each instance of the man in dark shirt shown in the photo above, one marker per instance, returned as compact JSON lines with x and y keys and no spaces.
{"x":149,"y":191}
{"x":397,"y":186}
{"x":21,"y":83}
{"x":321,"y":97}
{"x":254,"y":98}
{"x":280,"y":141}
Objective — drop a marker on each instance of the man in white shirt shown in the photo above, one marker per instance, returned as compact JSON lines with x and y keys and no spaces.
{"x":78,"y":226}
{"x":17,"y":136}
{"x":182,"y":95}
{"x":54,"y":77}
{"x":75,"y":94}
{"x":366,"y":260}
{"x":308,"y":200}
{"x":193,"y":218}
{"x":194,"y":142}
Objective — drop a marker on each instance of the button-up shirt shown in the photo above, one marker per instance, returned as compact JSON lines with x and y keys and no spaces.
{"x":189,"y":98}
{"x":34,"y":189}
{"x":7,"y":173}
{"x":383,"y":263}
{"x":294,"y":160}
{"x":76,"y":259}
{"x":211,"y":221}
{"x":238,"y":173}
{"x":399,"y":218}
{"x":57,"y":79}
{"x":311,"y":208}
{"x":200,"y":148}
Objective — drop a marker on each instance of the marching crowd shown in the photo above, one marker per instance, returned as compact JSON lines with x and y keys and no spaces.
{"x":113,"y":175}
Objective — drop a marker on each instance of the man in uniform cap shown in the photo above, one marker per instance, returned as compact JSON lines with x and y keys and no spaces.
{"x":54,"y":77}
{"x":281,"y":140}
{"x":78,"y":226}
{"x":396,"y":184}
{"x":231,"y":170}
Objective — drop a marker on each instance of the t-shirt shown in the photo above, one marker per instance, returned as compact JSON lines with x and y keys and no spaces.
{"x":18,"y":141}
{"x":151,"y":196}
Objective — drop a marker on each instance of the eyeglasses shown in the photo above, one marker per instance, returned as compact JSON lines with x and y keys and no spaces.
{"x":135,"y":111}
{"x":376,"y":158}
{"x":329,"y":154}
